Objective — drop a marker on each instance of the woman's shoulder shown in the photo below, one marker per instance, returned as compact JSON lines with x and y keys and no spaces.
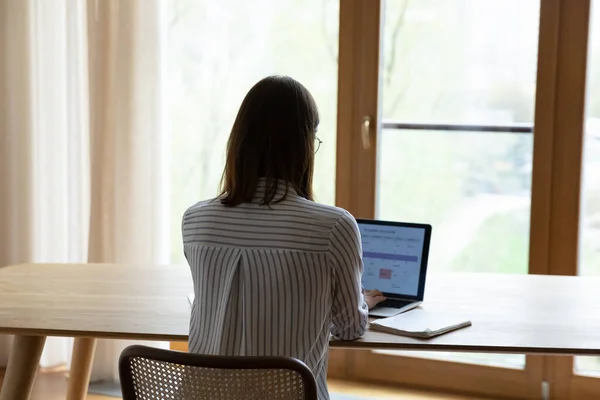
{"x":202,"y":206}
{"x":335,"y":215}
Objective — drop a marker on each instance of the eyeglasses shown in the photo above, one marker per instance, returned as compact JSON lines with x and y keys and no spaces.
{"x":317,"y":144}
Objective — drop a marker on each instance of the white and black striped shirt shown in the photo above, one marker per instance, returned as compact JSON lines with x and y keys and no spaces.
{"x":274,"y":280}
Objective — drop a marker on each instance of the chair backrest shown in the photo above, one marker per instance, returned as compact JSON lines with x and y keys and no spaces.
{"x":148,"y":373}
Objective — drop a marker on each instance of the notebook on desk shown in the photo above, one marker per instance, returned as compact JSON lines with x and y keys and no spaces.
{"x":420,"y":324}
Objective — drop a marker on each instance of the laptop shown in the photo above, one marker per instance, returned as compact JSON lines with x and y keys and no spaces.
{"x":395,"y":262}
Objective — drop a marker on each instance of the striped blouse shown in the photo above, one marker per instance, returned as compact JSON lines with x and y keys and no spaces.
{"x":274,"y":280}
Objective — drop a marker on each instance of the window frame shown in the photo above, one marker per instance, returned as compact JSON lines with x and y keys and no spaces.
{"x":555,"y":197}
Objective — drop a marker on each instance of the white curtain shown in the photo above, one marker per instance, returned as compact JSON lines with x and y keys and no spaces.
{"x":82,"y":155}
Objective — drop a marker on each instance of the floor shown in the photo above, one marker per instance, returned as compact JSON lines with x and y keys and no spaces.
{"x":378,"y":392}
{"x":53,"y":386}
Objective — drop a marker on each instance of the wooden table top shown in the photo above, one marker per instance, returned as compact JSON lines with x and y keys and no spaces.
{"x":510,"y":313}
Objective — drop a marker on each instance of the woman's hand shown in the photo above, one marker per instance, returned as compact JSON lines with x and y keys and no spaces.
{"x":373,"y":297}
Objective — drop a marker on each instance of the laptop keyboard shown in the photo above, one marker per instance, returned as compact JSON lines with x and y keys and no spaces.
{"x":393,"y":303}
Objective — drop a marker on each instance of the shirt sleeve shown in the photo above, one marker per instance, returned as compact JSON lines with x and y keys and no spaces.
{"x":183,"y":223}
{"x":349,"y":311}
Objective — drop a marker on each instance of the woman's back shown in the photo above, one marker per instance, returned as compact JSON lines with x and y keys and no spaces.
{"x":274,"y":279}
{"x":274,"y":272}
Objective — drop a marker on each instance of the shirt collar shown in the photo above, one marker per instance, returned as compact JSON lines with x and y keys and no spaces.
{"x":280,"y":191}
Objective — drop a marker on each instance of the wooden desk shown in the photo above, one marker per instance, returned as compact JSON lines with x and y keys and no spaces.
{"x":510,"y":314}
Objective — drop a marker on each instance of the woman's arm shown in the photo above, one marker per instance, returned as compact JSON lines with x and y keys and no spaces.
{"x":349,"y":310}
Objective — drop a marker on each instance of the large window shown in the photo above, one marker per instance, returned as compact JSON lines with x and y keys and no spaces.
{"x":447,"y":67}
{"x":477,"y":135}
{"x":214,"y":51}
{"x":458,"y":97}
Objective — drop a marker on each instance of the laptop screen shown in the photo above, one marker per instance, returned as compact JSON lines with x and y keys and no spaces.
{"x":393,"y":256}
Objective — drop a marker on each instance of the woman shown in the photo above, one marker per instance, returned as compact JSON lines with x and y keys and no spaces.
{"x":274,"y":272}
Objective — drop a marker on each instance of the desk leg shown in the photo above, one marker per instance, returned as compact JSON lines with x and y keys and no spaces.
{"x":81,"y":368}
{"x":22,"y":366}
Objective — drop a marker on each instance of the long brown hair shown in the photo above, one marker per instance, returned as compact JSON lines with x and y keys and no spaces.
{"x":273,"y":137}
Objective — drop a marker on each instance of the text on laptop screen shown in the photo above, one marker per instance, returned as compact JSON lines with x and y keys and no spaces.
{"x":392,"y":258}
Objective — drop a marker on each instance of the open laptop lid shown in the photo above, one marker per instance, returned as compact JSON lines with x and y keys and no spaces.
{"x":395,"y":257}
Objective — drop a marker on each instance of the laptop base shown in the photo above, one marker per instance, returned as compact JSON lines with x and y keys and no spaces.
{"x":390,"y":312}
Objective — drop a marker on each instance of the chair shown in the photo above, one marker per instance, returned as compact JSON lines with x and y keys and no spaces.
{"x":148,"y":373}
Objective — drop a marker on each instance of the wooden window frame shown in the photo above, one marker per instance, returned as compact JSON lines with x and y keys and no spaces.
{"x":359,"y":96}
{"x":555,"y":197}
{"x":559,"y":197}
